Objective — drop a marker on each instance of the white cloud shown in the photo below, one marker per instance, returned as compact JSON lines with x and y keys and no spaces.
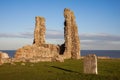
{"x":88,"y":40}
{"x":20,"y":35}
{"x":99,"y":36}
{"x":100,"y":41}
{"x":14,"y":43}
{"x":54,"y":34}
{"x":50,"y":34}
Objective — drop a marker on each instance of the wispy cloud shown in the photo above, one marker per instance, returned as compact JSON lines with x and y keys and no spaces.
{"x":88,"y":40}
{"x":99,"y":36}
{"x":100,"y":41}
{"x":27,"y":35}
{"x":50,"y":34}
{"x":54,"y":34}
{"x":20,"y":35}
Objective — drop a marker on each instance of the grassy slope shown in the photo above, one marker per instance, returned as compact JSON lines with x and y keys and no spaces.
{"x":69,"y":70}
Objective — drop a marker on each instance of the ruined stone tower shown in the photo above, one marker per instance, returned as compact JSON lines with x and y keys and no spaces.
{"x":72,"y":42}
{"x":67,"y":33}
{"x":39,"y":32}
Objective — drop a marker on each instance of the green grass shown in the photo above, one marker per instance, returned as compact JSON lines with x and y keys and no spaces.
{"x":69,"y":70}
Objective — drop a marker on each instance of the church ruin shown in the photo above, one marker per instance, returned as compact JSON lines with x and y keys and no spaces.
{"x":41,"y":51}
{"x":46,"y":52}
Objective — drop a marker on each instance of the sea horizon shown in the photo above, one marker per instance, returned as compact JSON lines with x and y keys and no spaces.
{"x":105,"y":53}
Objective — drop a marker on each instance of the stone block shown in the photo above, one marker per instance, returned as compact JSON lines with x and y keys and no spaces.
{"x":90,"y":64}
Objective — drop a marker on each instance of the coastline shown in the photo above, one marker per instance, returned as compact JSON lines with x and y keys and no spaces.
{"x":102,"y":54}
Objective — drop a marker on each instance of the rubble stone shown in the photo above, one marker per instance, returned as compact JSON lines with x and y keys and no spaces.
{"x":4,"y":57}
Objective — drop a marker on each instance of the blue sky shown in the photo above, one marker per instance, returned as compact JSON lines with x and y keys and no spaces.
{"x":98,"y":22}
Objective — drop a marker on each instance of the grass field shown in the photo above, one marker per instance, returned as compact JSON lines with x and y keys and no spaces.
{"x":68,"y":70}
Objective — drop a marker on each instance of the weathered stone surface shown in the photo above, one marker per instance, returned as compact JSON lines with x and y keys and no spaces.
{"x":58,"y":58}
{"x":1,"y":61}
{"x":67,"y":33}
{"x":4,"y":57}
{"x":72,"y":42}
{"x":39,"y":32}
{"x":25,"y":52}
{"x":42,"y":52}
{"x":90,"y":64}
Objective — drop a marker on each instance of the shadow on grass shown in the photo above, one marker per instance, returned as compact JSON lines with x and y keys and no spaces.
{"x":65,"y":69}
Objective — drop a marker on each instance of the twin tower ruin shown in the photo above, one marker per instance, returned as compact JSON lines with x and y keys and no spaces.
{"x":40,"y":51}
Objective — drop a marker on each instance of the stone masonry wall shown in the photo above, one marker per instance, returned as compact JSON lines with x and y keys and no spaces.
{"x":72,"y":42}
{"x":39,"y":32}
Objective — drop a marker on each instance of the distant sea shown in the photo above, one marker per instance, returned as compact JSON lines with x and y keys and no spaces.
{"x":108,"y":53}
